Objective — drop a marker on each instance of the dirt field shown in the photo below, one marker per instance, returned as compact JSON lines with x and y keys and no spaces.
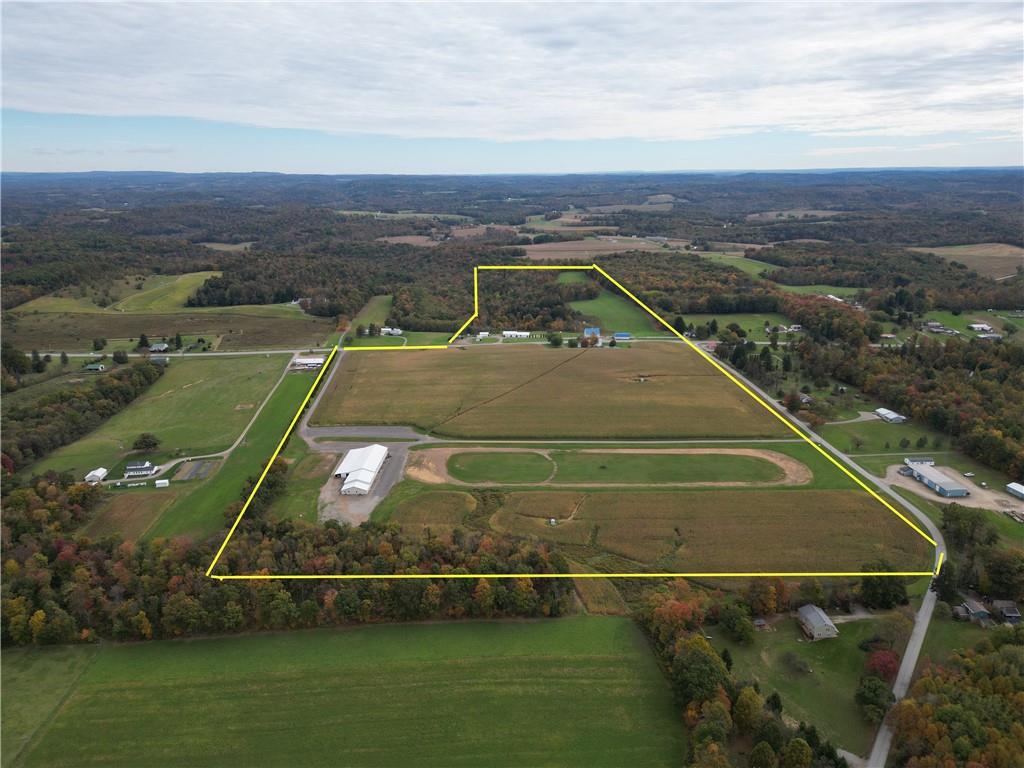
{"x":588,"y":249}
{"x":652,"y":390}
{"x":989,"y":259}
{"x":985,"y":498}
{"x":431,"y":466}
{"x":727,"y":531}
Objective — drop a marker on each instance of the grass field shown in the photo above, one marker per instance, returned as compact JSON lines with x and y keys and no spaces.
{"x":841,"y":291}
{"x":989,"y":259}
{"x":719,"y":530}
{"x":198,"y":406}
{"x":752,"y":267}
{"x":947,"y":635}
{"x":376,"y":311}
{"x":202,"y":510}
{"x":273,"y":326}
{"x":580,"y":691}
{"x":752,"y":323}
{"x":413,"y":338}
{"x":307,"y":472}
{"x":823,"y":696}
{"x":169,"y":292}
{"x":650,"y":390}
{"x":614,"y":314}
{"x":129,"y":514}
{"x":872,"y":437}
{"x":629,"y":468}
{"x":435,"y":511}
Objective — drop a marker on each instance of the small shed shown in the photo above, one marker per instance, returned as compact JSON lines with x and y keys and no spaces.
{"x":1007,"y":610}
{"x":815,"y":623}
{"x":976,"y":611}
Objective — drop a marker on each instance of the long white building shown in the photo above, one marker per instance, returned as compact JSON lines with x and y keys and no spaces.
{"x":359,"y":469}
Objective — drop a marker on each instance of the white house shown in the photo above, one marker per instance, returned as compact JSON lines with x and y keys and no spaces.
{"x":516,"y":334}
{"x":139,"y":469}
{"x":890,"y":416}
{"x":97,"y":476}
{"x":483,"y":334}
{"x":387,"y":331}
{"x":359,"y":469}
{"x":980,"y":327}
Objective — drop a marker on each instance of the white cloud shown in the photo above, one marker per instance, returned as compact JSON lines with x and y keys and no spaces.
{"x":511,"y":72}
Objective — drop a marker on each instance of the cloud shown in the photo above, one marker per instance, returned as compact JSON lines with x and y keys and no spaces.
{"x":520,"y":72}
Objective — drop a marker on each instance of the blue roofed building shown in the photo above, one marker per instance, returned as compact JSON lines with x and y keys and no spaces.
{"x":622,"y":336}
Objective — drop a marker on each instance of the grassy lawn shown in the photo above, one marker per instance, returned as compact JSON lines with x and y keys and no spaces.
{"x":307,"y":472}
{"x":500,"y":467}
{"x":411,"y":338}
{"x":579,"y":691}
{"x":198,"y":406}
{"x":823,"y":696}
{"x":35,"y":682}
{"x":877,"y":436}
{"x":376,"y":311}
{"x":945,"y":636}
{"x":575,"y":467}
{"x":201,"y":512}
{"x":752,"y":323}
{"x":533,"y":391}
{"x":617,"y":314}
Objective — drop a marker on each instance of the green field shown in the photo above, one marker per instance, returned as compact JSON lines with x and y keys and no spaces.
{"x":573,"y":276}
{"x":752,"y":323}
{"x":823,"y":696}
{"x":500,"y":467}
{"x":627,"y":468}
{"x":409,"y":338}
{"x":307,"y":473}
{"x":198,"y":406}
{"x":170,"y":292}
{"x":841,"y":291}
{"x":617,"y":314}
{"x":948,"y":635}
{"x":752,"y":267}
{"x":580,"y":691}
{"x":202,"y":511}
{"x":651,"y":390}
{"x":376,"y":311}
{"x":873,"y":435}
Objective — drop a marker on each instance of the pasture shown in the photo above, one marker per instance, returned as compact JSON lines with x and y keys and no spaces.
{"x":989,"y":259}
{"x":577,"y":691}
{"x":203,"y":509}
{"x":164,"y":293}
{"x":198,"y":406}
{"x":249,"y":327}
{"x":718,"y":530}
{"x":614,"y":313}
{"x":752,"y":267}
{"x":652,"y":390}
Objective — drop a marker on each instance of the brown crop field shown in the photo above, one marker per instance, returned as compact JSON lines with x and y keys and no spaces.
{"x":720,"y":531}
{"x":988,"y":259}
{"x":651,"y":390}
{"x":436,"y":511}
{"x":589,"y":249}
{"x":130,"y":514}
{"x":74,"y":331}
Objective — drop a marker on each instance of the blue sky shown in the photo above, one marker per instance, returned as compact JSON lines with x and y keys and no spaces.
{"x":448,"y":88}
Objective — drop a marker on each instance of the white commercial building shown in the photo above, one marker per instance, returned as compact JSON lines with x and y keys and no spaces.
{"x":308,"y":363}
{"x":98,"y":475}
{"x":891,"y":416}
{"x":359,"y":469}
{"x":516,"y":334}
{"x":386,"y":331}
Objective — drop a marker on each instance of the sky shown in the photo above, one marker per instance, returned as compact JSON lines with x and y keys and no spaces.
{"x":510,"y":88}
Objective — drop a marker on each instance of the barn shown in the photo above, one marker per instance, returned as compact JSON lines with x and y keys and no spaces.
{"x":816,"y":623}
{"x":359,"y":469}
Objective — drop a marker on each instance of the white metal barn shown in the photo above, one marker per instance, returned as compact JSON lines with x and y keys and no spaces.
{"x":359,"y":469}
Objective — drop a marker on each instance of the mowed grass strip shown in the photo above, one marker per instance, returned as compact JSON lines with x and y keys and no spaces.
{"x":725,"y":530}
{"x":579,"y":467}
{"x":196,"y":407}
{"x":579,"y":691}
{"x":653,"y":390}
{"x":487,"y":467}
{"x":202,"y":511}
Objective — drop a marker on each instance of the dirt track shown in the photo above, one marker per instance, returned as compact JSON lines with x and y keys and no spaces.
{"x":431,"y":466}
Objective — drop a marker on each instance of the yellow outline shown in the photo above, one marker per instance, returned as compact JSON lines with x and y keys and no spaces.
{"x":718,"y":366}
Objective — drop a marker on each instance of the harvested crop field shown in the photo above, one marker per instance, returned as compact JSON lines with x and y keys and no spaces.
{"x":682,"y":467}
{"x":988,"y":259}
{"x":719,"y":531}
{"x":590,"y":248}
{"x":651,"y":390}
{"x":435,"y":511}
{"x":130,"y":514}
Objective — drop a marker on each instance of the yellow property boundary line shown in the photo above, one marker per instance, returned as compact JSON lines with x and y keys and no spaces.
{"x":718,"y":366}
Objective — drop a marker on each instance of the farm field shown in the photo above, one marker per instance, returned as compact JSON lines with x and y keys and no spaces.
{"x":655,"y":389}
{"x":373,"y":696}
{"x":752,"y":267}
{"x":272,"y":326}
{"x":198,"y":406}
{"x":626,"y":466}
{"x":824,"y":695}
{"x":589,"y":248}
{"x":988,"y":259}
{"x":614,"y":314}
{"x":712,"y":531}
{"x":841,"y":291}
{"x":129,"y":514}
{"x":201,"y":511}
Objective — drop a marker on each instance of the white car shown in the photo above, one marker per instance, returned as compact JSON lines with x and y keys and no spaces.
{"x":968,"y":474}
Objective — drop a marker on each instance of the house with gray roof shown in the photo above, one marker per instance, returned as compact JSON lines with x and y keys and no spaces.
{"x":815,"y":623}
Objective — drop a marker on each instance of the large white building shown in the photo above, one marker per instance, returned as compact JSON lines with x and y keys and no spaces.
{"x":98,"y":475}
{"x":308,"y":363}
{"x":516,"y":334}
{"x":891,"y":416}
{"x":359,"y":469}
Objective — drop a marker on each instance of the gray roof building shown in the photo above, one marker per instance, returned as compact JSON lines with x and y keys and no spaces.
{"x":816,"y":623}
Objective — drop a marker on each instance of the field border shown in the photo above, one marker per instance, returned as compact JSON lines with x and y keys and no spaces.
{"x":792,"y":426}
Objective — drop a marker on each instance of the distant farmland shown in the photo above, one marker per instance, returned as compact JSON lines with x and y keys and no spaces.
{"x":582,"y":691}
{"x":652,"y":390}
{"x":989,"y":259}
{"x":588,"y":249}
